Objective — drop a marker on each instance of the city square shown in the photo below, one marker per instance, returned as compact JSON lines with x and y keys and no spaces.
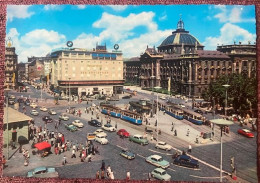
{"x":174,"y":112}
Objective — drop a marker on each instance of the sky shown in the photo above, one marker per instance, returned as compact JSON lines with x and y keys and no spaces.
{"x":35,"y":30}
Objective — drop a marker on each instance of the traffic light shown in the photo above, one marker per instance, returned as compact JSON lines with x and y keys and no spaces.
{"x":232,"y":162}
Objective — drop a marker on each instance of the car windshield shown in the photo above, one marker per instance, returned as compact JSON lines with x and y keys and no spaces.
{"x":163,"y":173}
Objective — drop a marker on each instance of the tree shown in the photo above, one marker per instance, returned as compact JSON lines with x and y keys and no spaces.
{"x":241,"y":93}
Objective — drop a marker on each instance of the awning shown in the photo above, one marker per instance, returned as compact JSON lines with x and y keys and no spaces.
{"x":42,"y":145}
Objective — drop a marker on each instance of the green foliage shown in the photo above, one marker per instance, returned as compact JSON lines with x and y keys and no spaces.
{"x":242,"y":93}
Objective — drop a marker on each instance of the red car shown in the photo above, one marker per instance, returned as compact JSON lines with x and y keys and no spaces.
{"x":246,"y":133}
{"x":123,"y":132}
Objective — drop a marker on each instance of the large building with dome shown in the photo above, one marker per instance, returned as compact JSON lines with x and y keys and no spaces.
{"x":181,"y":65}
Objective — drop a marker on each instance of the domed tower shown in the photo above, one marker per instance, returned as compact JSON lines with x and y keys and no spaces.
{"x":180,"y":42}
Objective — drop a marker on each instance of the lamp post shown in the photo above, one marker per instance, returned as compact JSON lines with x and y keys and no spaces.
{"x":157,"y":87}
{"x":136,"y":82}
{"x":41,"y":87}
{"x":222,"y":123}
{"x":226,"y":87}
{"x":7,"y":121}
{"x":69,"y":90}
{"x":152,"y":77}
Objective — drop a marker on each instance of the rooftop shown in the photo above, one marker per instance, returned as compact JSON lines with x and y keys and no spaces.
{"x":14,"y":116}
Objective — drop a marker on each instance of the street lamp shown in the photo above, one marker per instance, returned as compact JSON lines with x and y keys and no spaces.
{"x":136,"y":82}
{"x":69,"y":90}
{"x":222,"y":123}
{"x":157,"y":88}
{"x":226,"y":87}
{"x":152,"y":77}
{"x":7,"y":121}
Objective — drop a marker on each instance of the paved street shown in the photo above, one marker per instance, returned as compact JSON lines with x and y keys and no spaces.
{"x":207,"y":152}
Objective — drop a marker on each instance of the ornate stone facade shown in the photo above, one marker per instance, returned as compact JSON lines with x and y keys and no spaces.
{"x":183,"y":67}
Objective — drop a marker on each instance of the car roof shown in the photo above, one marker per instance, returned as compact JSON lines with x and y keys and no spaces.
{"x":185,"y":157}
{"x":137,"y":135}
{"x":156,"y":156}
{"x":246,"y":130}
{"x":41,"y":168}
{"x":159,"y":170}
{"x":161,"y":142}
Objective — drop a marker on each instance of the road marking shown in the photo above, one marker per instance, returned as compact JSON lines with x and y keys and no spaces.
{"x":120,"y":146}
{"x":171,"y":169}
{"x":140,"y":156}
{"x":159,"y":152}
{"x":206,"y":177}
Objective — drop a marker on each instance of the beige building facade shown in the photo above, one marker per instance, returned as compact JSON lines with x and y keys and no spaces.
{"x":87,"y":72}
{"x":11,"y":72}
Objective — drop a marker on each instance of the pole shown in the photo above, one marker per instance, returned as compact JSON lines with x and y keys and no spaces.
{"x":221,"y":154}
{"x":226,"y":104}
{"x":157,"y":118}
{"x":7,"y":126}
{"x":69,"y":91}
{"x":41,"y":87}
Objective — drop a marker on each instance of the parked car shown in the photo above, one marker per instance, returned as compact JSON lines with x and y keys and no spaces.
{"x":34,"y":113}
{"x":95,"y":123}
{"x":157,"y":161}
{"x":109,"y":127}
{"x":138,"y":139}
{"x":33,"y":105}
{"x":43,"y":172}
{"x":184,"y":160}
{"x":11,"y":102}
{"x":27,"y":102}
{"x":245,"y":132}
{"x":100,"y":131}
{"x":127,"y":97}
{"x":52,"y":112}
{"x":127,"y":154}
{"x":64,"y":117}
{"x":77,"y":123}
{"x":44,"y":109}
{"x":71,"y":127}
{"x":11,"y":97}
{"x":163,"y":145}
{"x":123,"y":132}
{"x":47,"y":119}
{"x":101,"y":138}
{"x":160,"y":174}
{"x":199,"y":111}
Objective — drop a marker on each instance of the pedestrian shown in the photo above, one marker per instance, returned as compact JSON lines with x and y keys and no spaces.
{"x":64,"y":160}
{"x":188,"y":133}
{"x":109,"y":171}
{"x":89,"y":158}
{"x":73,"y":154}
{"x":151,"y":138}
{"x":175,"y":132}
{"x":149,"y":176}
{"x":116,"y":125}
{"x":127,"y":175}
{"x":103,"y":166}
{"x":189,"y":150}
{"x":97,"y":175}
{"x":112,"y":177}
{"x":102,"y":174}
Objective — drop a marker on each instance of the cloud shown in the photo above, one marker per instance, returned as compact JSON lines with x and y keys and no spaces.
{"x":38,"y":42}
{"x":50,"y":7}
{"x":81,"y":7}
{"x":118,"y":28}
{"x":18,"y":11}
{"x":118,"y":7}
{"x":229,"y":33}
{"x":163,"y":16}
{"x":42,"y":36}
{"x":233,"y":15}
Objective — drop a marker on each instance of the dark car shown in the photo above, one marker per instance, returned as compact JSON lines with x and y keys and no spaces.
{"x":198,"y":111}
{"x":27,"y":102}
{"x":95,"y":123}
{"x":127,"y":97}
{"x":47,"y":119}
{"x":184,"y":160}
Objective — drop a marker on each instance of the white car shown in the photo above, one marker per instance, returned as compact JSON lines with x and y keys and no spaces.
{"x":33,"y":105}
{"x":52,"y":112}
{"x":34,"y":112}
{"x":100,"y":131}
{"x":77,"y":123}
{"x":43,"y":108}
{"x":163,"y":145}
{"x":101,"y":139}
{"x":64,"y":117}
{"x":157,"y":161}
{"x":109,"y":127}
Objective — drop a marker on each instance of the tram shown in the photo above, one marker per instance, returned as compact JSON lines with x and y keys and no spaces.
{"x":174,"y":111}
{"x":192,"y":116}
{"x":111,"y":110}
{"x":131,"y":116}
